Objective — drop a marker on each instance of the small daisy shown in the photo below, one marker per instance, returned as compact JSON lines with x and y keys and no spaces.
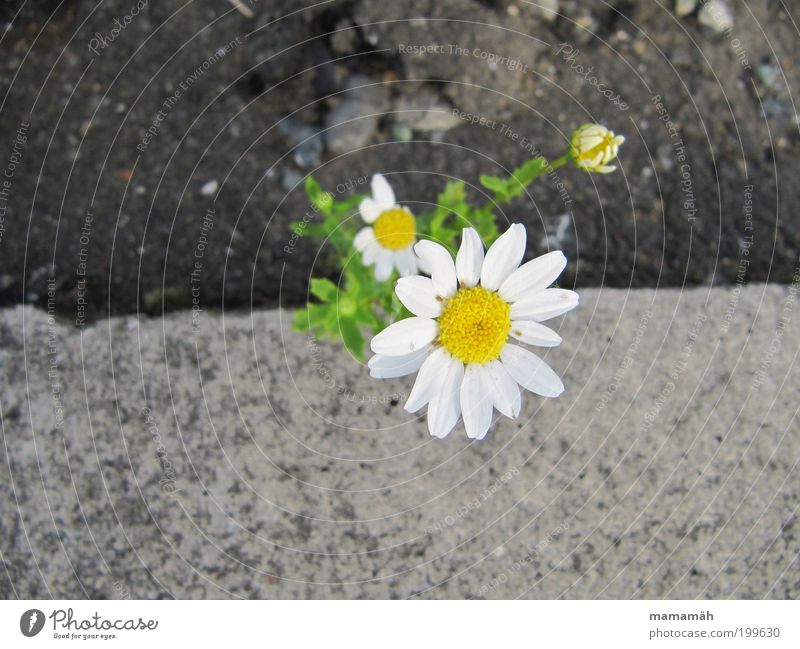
{"x":460,"y":340}
{"x":594,"y":146}
{"x":389,"y":243}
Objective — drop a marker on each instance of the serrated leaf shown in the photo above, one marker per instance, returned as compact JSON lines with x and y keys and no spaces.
{"x":324,"y":289}
{"x":452,"y":195}
{"x":525,"y":175}
{"x":494,"y":183}
{"x":314,"y":316}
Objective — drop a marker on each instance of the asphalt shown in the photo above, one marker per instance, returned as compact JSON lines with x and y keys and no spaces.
{"x":223,"y":455}
{"x":145,"y":132}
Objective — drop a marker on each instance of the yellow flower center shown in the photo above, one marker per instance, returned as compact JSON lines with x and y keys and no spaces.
{"x":474,"y":325}
{"x":395,"y":229}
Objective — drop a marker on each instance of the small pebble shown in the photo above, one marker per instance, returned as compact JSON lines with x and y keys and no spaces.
{"x":769,"y":75}
{"x":716,"y":16}
{"x":685,"y":7}
{"x":209,"y":188}
{"x":547,"y":9}
{"x":401,"y":132}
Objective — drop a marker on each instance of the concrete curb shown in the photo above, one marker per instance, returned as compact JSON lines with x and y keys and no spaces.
{"x":146,"y":460}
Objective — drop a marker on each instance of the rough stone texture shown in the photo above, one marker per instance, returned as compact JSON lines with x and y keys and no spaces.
{"x":668,"y":469}
{"x":88,"y":112}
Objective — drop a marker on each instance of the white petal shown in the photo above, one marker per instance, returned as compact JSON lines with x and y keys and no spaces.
{"x":533,"y":333}
{"x":372,"y":252}
{"x":440,"y":264}
{"x":405,"y":336}
{"x":382,"y":192}
{"x":546,"y":304}
{"x":591,"y":141}
{"x":418,"y":296}
{"x":445,"y":406}
{"x":503,"y":257}
{"x":469,"y":258}
{"x":406,"y":262}
{"x":370,"y":210}
{"x":476,"y":401}
{"x":505,"y":391}
{"x":428,"y":379}
{"x":534,"y":276}
{"x":390,"y":367}
{"x":531,"y":372}
{"x":364,"y":237}
{"x":384,"y":266}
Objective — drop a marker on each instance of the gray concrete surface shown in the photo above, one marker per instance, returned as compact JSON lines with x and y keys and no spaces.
{"x":244,"y":460}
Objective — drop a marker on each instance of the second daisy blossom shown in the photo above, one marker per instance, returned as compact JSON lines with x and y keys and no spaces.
{"x":459,"y":339}
{"x":388,"y":240}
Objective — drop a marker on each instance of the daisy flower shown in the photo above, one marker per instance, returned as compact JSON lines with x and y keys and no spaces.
{"x":467,"y":317}
{"x":388,"y":241}
{"x":594,"y":146}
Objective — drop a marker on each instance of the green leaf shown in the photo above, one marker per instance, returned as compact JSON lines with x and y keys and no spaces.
{"x":319,"y":198}
{"x":351,"y":337}
{"x":347,"y":206}
{"x":365,"y":316}
{"x":324,"y":289}
{"x":525,"y":175}
{"x":506,"y":189}
{"x":314,"y":316}
{"x":301,"y":320}
{"x":494,"y":183}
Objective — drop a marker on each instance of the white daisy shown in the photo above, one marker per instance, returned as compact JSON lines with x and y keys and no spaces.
{"x":389,"y":242}
{"x":594,"y":146}
{"x":460,"y":338}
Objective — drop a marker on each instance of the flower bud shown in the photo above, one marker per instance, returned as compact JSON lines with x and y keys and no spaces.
{"x":593,"y":147}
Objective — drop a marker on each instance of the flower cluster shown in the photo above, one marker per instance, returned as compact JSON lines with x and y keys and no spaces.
{"x":464,"y":308}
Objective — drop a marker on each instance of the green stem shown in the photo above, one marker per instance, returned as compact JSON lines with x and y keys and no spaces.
{"x":552,"y":166}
